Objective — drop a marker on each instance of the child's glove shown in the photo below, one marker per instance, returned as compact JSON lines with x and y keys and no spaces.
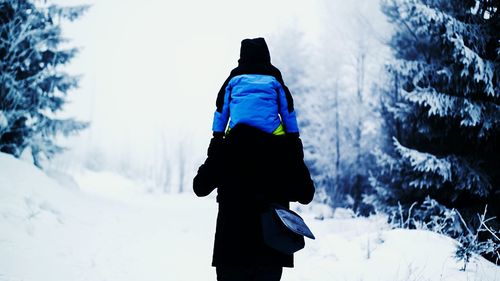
{"x":295,"y":143}
{"x":215,"y":147}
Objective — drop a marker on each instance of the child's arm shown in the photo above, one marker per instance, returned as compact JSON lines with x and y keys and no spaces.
{"x":289,"y":118}
{"x":222,"y":117}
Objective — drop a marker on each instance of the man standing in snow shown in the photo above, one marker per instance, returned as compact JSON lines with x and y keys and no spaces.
{"x":251,"y":169}
{"x":258,"y":163}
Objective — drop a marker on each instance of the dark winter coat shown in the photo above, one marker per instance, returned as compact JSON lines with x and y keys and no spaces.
{"x":250,"y":170}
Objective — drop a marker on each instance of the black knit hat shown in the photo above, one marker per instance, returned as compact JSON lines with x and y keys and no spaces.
{"x":254,"y":51}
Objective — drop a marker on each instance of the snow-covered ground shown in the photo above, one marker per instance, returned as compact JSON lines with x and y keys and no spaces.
{"x":109,"y":229}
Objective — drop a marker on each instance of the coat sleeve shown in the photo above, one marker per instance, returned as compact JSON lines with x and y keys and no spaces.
{"x":289,"y":117}
{"x":302,"y":185}
{"x":221,"y":115}
{"x":209,"y":173}
{"x":306,"y":193}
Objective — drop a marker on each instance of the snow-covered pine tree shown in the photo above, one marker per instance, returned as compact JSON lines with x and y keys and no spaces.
{"x":442,"y":105}
{"x":33,"y":85}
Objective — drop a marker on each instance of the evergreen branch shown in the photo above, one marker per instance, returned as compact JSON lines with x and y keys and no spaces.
{"x":469,"y":176}
{"x":69,"y":12}
{"x":425,"y":162}
{"x":483,"y":69}
{"x":473,"y":111}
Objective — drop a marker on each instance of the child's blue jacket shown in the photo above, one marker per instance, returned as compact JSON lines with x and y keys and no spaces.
{"x":255,"y":100}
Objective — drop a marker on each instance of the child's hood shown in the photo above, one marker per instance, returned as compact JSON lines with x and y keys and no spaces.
{"x":254,"y":51}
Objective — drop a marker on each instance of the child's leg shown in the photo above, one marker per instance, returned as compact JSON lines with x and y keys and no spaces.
{"x":279,"y":131}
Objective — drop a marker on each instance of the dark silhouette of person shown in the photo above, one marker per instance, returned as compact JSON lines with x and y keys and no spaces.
{"x":256,"y":163}
{"x":251,"y":170}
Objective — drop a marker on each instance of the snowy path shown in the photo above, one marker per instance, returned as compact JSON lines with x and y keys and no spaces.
{"x":109,"y":230}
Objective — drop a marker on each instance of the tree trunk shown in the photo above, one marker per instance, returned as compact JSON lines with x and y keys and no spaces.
{"x":337,"y":141}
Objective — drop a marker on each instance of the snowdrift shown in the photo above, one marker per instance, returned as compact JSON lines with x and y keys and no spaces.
{"x":53,"y":233}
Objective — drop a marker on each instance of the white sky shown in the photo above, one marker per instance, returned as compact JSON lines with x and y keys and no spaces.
{"x":154,"y":67}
